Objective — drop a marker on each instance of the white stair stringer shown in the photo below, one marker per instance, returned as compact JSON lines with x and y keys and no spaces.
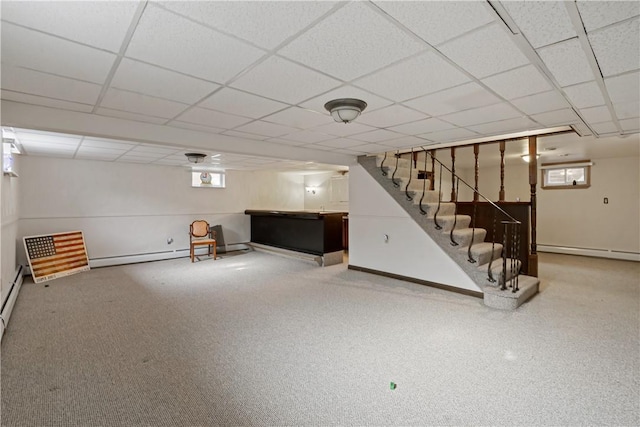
{"x":482,"y":251}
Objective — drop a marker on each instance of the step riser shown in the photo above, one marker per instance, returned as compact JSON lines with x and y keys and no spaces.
{"x":414,"y":185}
{"x":448,"y":222}
{"x":464,"y":239}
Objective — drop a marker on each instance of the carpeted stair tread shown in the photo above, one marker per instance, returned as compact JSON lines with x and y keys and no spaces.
{"x":482,"y":252}
{"x":507,"y":299}
{"x":432,"y":207}
{"x":430,"y":197}
{"x":496,"y":268}
{"x":415,"y":184}
{"x":447,"y":222}
{"x":463,"y":236}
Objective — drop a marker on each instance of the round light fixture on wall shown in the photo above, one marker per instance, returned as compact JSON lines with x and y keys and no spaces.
{"x":345,"y":110}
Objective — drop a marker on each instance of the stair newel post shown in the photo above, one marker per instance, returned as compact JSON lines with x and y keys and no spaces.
{"x":505,"y":248}
{"x":435,"y":215}
{"x":455,"y":213}
{"x":490,"y":277}
{"x":406,"y":188}
{"x":393,"y":176}
{"x":384,"y":172}
{"x":424,"y":183}
{"x":533,"y":181}
{"x":432,"y":184}
{"x":453,"y":174}
{"x":502,"y":148}
{"x":473,"y":231}
{"x":476,"y":151}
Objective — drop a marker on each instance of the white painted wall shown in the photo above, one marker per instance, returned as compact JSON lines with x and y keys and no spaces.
{"x":577,"y":218}
{"x":276,"y":191}
{"x":126,"y":209}
{"x":9,"y":213}
{"x":409,"y":250}
{"x":322,"y":198}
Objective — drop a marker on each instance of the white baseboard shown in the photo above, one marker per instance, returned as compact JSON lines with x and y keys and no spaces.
{"x":599,"y":253}
{"x":11,"y":300}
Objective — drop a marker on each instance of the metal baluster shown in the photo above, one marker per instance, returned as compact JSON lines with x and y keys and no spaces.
{"x":393,"y":177}
{"x":513,"y":250}
{"x":424,"y":183}
{"x":455,"y":213}
{"x":406,"y":189}
{"x":493,"y":245}
{"x":384,"y":172}
{"x":473,"y":233}
{"x":503,"y":274}
{"x":516,"y":288}
{"x":435,"y":215}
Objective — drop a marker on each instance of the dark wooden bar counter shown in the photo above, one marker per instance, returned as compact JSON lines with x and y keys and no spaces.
{"x":310,"y":232}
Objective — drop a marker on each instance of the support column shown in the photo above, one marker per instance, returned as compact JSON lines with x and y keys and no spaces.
{"x":533,"y":181}
{"x":501,"y":195}
{"x":453,"y":174}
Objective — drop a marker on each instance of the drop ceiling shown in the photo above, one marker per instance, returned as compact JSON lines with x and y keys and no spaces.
{"x":147,"y":81}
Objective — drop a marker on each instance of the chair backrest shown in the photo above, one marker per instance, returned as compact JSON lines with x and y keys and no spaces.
{"x":199,"y":228}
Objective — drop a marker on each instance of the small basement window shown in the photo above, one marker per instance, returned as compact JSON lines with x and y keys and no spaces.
{"x":207,"y":179}
{"x":566,"y":175}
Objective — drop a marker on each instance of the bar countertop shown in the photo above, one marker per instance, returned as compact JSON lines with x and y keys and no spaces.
{"x":305,"y":214}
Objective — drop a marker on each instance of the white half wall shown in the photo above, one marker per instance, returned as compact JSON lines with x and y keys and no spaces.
{"x":408,"y":251}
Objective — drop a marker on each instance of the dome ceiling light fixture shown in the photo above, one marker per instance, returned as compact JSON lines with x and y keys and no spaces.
{"x":195,"y":157}
{"x":345,"y":110}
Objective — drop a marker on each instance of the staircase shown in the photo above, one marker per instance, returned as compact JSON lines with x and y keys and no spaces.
{"x":481,"y":260}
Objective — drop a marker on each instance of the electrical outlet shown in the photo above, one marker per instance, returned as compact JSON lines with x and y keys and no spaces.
{"x":169,"y":240}
{"x":606,"y":200}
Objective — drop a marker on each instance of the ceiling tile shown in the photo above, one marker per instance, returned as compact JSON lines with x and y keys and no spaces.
{"x":627,"y":110}
{"x":307,"y":137}
{"x":96,"y":156}
{"x":376,"y":135}
{"x":390,"y":116}
{"x":298,"y":118}
{"x":100,"y":24}
{"x":168,"y":40}
{"x":64,"y":154}
{"x":560,"y":117}
{"x":141,"y":104}
{"x":625,"y":88}
{"x":343,"y":129}
{"x":486,"y":114}
{"x":371,"y":148}
{"x":83,"y":149}
{"x":422,"y":126}
{"x":504,"y":126}
{"x":406,"y":141}
{"x":582,"y":129}
{"x":484,"y":52}
{"x":518,"y":82}
{"x":446,"y":19}
{"x":152,"y":150}
{"x":464,"y":97}
{"x":129,"y":116}
{"x":244,"y":135}
{"x":149,"y":80}
{"x":617,"y":48}
{"x":54,"y":55}
{"x":373,"y":41}
{"x":193,"y":126}
{"x":450,"y":135}
{"x":542,"y":22}
{"x":602,"y":128}
{"x":33,"y":137}
{"x":233,"y":101}
{"x":287,"y":142}
{"x":280,"y":79}
{"x":585,"y":95}
{"x":598,"y":14}
{"x":110,"y":144}
{"x":265,"y":24}
{"x":46,"y":102}
{"x":630,"y":125}
{"x":34,"y":82}
{"x":422,"y":74}
{"x":338,"y":143}
{"x":268,"y":129}
{"x":202,"y":116}
{"x":596,"y":114}
{"x":567,"y":62}
{"x":541,"y":102}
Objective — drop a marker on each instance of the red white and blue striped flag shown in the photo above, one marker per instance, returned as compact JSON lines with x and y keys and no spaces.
{"x":56,"y":255}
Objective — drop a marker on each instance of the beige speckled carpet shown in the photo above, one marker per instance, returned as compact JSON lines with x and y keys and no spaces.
{"x":257,"y":339}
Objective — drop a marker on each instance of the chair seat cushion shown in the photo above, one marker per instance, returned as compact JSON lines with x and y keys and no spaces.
{"x":203,"y":241}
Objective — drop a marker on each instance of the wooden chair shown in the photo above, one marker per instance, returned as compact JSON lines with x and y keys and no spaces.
{"x":201,"y":234}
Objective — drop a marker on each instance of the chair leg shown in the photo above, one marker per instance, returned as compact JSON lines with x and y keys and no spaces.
{"x":215,"y":247}
{"x":191,"y":252}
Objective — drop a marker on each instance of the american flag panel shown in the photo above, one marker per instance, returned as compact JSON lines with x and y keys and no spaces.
{"x":56,"y":255}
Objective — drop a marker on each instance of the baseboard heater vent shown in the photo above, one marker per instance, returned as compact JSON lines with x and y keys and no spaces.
{"x":10,"y":301}
{"x":599,"y":253}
